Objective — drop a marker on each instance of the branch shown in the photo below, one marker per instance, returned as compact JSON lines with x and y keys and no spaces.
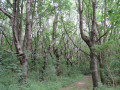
{"x":4,"y":35}
{"x":98,"y":29}
{"x":51,"y":45}
{"x":8,"y":51}
{"x":72,"y":40}
{"x":102,"y":35}
{"x":83,"y":36}
{"x":6,"y":13}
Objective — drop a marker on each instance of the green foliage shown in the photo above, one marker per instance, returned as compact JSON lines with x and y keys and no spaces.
{"x":50,"y":73}
{"x":104,"y":46}
{"x":103,"y":87}
{"x":42,"y":29}
{"x":10,"y":82}
{"x":63,"y":4}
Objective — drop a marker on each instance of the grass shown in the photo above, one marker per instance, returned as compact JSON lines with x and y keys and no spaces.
{"x":10,"y":82}
{"x":74,"y":88}
{"x":88,"y":84}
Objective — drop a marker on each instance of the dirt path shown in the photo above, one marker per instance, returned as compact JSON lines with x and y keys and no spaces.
{"x":83,"y":84}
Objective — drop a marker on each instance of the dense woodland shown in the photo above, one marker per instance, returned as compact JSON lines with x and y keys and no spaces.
{"x":49,"y":44}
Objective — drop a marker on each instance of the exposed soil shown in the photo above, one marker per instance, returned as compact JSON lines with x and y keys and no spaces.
{"x":83,"y":84}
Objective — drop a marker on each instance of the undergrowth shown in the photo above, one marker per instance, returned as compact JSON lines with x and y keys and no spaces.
{"x":10,"y":81}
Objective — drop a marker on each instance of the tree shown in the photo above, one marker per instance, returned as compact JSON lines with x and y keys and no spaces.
{"x":28,"y":34}
{"x":90,"y":42}
{"x":16,"y":36}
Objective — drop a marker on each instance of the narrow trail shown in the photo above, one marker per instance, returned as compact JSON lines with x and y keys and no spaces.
{"x":84,"y":84}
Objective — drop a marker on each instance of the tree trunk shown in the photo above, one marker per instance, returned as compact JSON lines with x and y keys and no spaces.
{"x":93,"y":67}
{"x":17,"y":44}
{"x":28,"y":25}
{"x":90,"y":42}
{"x":28,"y":35}
{"x":1,"y":44}
{"x":21,"y":22}
{"x":58,"y":66}
{"x":101,"y":68}
{"x":20,"y":55}
{"x":55,"y":50}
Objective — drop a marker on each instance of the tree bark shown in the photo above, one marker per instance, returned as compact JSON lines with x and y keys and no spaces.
{"x":101,"y":64}
{"x":28,"y":35}
{"x":55,"y":50}
{"x":90,"y":42}
{"x":93,"y":67}
{"x":58,"y":66}
{"x":20,"y":54}
{"x":101,"y":68}
{"x":21,"y":22}
{"x":28,"y":25}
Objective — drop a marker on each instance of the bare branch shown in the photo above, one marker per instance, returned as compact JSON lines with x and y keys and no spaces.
{"x":102,"y":35}
{"x":51,"y":45}
{"x":5,"y":35}
{"x":72,"y":40}
{"x":84,"y":37}
{"x":6,"y":13}
{"x":8,"y":51}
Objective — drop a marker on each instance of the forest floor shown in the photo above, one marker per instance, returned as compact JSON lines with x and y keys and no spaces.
{"x":83,"y":84}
